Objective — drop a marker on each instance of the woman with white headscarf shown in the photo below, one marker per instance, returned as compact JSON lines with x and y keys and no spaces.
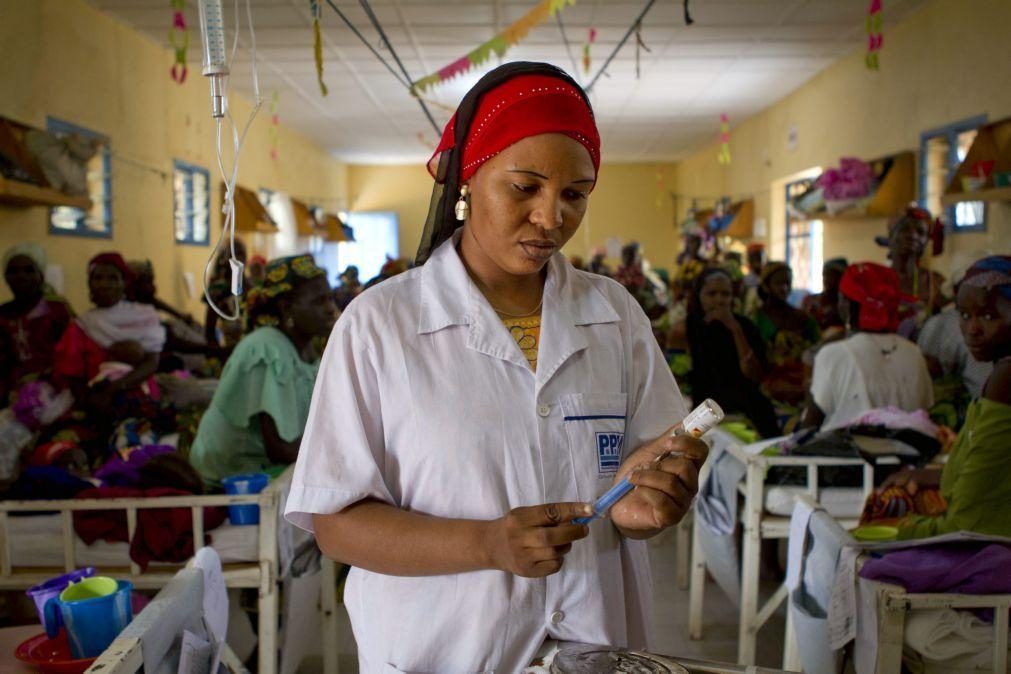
{"x":30,"y":324}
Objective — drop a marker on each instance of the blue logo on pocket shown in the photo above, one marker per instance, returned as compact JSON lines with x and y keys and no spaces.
{"x":609,"y":452}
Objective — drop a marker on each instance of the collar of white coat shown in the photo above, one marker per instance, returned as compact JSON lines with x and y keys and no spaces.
{"x":450,"y":297}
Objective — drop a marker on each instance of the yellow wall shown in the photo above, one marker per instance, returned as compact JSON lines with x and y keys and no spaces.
{"x":630,"y":201}
{"x":945,"y":63}
{"x":70,"y":61}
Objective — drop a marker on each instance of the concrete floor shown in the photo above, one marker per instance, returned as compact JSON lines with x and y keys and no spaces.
{"x":670,"y":624}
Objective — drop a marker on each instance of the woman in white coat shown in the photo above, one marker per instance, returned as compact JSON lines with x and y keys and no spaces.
{"x":466,"y":411}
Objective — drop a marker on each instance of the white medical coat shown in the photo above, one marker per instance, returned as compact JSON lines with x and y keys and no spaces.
{"x":424,"y":401}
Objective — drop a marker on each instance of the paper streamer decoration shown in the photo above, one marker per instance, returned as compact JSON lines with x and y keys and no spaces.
{"x":179,"y":38}
{"x":275,"y":124}
{"x":317,"y":44}
{"x":590,"y":39}
{"x":875,"y":39}
{"x":498,"y":45}
{"x":724,"y":156}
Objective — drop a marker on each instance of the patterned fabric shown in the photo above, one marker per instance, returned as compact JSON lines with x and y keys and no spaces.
{"x":876,"y":289}
{"x":524,"y":106}
{"x":282,"y":276}
{"x":527,"y":333}
{"x":991,"y":272}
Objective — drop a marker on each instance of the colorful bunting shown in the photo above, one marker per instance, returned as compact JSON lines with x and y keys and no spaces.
{"x":724,"y":156}
{"x":179,"y":38}
{"x":317,"y":44}
{"x":875,"y":39}
{"x":591,"y":38}
{"x":498,"y":45}
{"x":275,"y":124}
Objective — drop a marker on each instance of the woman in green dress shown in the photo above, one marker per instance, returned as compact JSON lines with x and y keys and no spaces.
{"x":974,"y":482}
{"x":258,"y":413}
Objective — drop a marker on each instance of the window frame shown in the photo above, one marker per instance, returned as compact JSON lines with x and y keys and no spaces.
{"x":950,"y":132}
{"x":58,"y":126}
{"x":186,"y":167}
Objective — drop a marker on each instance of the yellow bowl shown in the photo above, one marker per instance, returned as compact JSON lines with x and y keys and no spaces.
{"x":873,"y":533}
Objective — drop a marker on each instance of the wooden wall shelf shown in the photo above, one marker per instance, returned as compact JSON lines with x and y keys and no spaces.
{"x":16,"y":193}
{"x":896,"y":175}
{"x":250,"y":215}
{"x":20,"y":193}
{"x":992,"y":143}
{"x":334,"y":229}
{"x":742,"y":219}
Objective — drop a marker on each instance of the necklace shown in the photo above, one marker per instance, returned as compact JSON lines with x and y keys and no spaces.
{"x":529,"y":313}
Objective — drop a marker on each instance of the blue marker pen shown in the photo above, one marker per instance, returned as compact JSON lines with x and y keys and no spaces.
{"x":696,"y":424}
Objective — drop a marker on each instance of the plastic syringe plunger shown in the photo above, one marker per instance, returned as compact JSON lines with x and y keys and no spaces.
{"x":696,"y":424}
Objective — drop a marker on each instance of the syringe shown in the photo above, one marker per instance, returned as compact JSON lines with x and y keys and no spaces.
{"x":696,"y":424}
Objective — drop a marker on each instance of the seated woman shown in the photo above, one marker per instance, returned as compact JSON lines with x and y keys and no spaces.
{"x":32,"y":323}
{"x":974,"y":482}
{"x":873,"y":367}
{"x":728,"y":358}
{"x":108,"y":355}
{"x":258,"y":413}
{"x":787,"y":332}
{"x":824,"y":306}
{"x":908,"y":235}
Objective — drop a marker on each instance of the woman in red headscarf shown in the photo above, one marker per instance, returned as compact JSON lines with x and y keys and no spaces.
{"x":468,"y":410}
{"x":873,"y":367}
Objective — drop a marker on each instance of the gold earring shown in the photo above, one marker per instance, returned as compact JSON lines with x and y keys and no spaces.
{"x":462,"y":207}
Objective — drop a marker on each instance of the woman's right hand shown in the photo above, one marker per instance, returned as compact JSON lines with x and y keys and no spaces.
{"x":722,"y":315}
{"x":533,"y":541}
{"x":913,"y":480}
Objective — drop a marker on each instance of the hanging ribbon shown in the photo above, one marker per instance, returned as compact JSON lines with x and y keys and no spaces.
{"x":317,"y":43}
{"x":590,"y":39}
{"x":274,"y":131}
{"x":498,"y":45}
{"x":875,"y":39}
{"x":639,"y":44}
{"x":179,"y":39}
{"x":724,"y":156}
{"x":688,"y":17}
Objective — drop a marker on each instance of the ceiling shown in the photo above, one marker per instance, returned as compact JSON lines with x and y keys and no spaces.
{"x":738,"y":57}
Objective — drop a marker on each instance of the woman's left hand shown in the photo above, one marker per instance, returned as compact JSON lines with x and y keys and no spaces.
{"x":663,"y":492}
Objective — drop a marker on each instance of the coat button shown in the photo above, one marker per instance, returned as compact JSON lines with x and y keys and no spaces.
{"x":544,"y":410}
{"x":557,"y":617}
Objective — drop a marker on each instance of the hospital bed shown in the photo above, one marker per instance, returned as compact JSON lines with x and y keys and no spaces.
{"x":764,"y":513}
{"x":36,"y":547}
{"x":884,"y":608}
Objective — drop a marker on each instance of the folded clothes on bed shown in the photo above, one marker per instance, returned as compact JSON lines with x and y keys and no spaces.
{"x":163,"y":535}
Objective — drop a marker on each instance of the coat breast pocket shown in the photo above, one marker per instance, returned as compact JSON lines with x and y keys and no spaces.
{"x":595,"y":429}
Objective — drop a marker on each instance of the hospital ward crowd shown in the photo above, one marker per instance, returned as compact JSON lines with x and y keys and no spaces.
{"x":449,"y":421}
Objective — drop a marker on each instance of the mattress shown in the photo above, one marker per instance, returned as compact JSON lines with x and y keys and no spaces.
{"x":839,"y":502}
{"x":37,"y":541}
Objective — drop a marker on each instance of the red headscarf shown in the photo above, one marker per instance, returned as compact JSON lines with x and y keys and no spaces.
{"x":523,"y":106}
{"x":876,"y":289}
{"x":113,"y":260}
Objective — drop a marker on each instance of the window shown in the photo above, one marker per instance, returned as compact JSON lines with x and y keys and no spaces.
{"x":941,"y":152}
{"x":191,"y":204}
{"x":803,"y":243}
{"x":376,"y":238}
{"x":96,"y":222}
